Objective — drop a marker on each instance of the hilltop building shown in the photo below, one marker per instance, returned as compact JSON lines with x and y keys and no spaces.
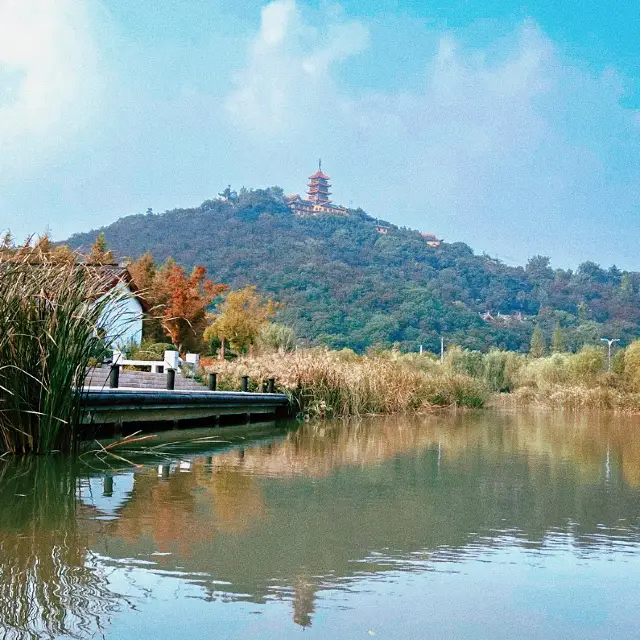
{"x":318,"y":200}
{"x":431,"y":239}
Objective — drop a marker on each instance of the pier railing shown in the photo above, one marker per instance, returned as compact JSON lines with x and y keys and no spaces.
{"x":170,"y":361}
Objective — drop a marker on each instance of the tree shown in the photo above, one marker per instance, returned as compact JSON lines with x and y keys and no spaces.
{"x":150,"y":286}
{"x":143,"y":272}
{"x":99,"y":253}
{"x":184,"y":299}
{"x":557,"y":340}
{"x":539,"y":269}
{"x":347,"y":286}
{"x":240,"y":318}
{"x":538,"y":346}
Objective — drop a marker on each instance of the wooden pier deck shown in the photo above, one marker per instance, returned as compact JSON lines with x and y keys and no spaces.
{"x":113,"y":406}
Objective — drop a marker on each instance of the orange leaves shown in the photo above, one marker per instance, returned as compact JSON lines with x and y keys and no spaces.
{"x":179,"y":300}
{"x":186,"y":298}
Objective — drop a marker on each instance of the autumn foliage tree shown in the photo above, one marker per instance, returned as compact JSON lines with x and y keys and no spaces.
{"x":241,"y":316}
{"x":184,"y":316}
{"x":149,"y":284}
{"x":99,"y":253}
{"x":178,"y":301}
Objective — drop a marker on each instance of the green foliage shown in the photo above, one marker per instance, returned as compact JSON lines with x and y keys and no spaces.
{"x":586,"y":366}
{"x":618,"y":362}
{"x":557,"y":340}
{"x":149,"y":350}
{"x":632,"y":365}
{"x":275,"y":336}
{"x":345,"y":285}
{"x":538,"y":346}
{"x":501,"y":369}
{"x":462,"y":361}
{"x":541,"y":373}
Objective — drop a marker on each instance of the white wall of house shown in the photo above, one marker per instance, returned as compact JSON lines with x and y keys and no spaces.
{"x":122,"y":318}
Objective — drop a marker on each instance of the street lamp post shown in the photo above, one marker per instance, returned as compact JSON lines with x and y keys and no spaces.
{"x":610,"y":343}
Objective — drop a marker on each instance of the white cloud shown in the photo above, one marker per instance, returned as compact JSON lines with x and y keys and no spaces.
{"x":48,"y":76}
{"x":288,"y":71}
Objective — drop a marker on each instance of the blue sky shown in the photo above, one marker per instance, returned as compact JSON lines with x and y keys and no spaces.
{"x":513,"y":127}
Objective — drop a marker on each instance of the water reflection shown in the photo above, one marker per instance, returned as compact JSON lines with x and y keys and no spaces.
{"x":49,"y":583}
{"x":319,"y":508}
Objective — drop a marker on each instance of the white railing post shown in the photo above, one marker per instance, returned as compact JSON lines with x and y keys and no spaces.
{"x":172,"y":359}
{"x":193,"y":360}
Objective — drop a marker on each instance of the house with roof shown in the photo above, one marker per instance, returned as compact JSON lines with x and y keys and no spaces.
{"x":121,"y":320}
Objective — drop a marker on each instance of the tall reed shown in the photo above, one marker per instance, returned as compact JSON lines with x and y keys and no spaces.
{"x":333,"y":383}
{"x":50,"y":320}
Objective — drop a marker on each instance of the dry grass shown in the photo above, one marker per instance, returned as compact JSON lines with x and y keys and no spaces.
{"x":328,"y":383}
{"x":570,"y":397}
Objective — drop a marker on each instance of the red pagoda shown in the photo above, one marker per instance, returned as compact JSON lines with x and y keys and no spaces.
{"x":318,"y":201}
{"x":319,"y":187}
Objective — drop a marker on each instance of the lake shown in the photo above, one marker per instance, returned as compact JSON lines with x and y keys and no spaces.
{"x":475,"y":525}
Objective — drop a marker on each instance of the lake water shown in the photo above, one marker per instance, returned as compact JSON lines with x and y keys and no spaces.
{"x":481,"y":525}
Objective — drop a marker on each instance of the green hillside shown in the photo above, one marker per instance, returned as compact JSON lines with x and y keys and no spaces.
{"x":346,"y":285}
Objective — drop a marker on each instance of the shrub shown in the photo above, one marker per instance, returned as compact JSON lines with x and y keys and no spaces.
{"x":149,"y":350}
{"x":459,"y":360}
{"x":501,"y":370}
{"x":632,"y":365}
{"x":274,"y":336}
{"x":586,"y":366}
{"x":541,"y":373}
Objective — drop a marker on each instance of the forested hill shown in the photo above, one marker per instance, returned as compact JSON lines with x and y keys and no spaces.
{"x":346,"y":285}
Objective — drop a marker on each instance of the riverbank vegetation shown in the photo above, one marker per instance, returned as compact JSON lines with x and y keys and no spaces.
{"x":581,"y":380}
{"x":324,"y":383}
{"x":51,"y":315}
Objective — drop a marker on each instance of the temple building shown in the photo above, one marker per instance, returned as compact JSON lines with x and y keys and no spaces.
{"x":431,"y":239}
{"x":318,"y":200}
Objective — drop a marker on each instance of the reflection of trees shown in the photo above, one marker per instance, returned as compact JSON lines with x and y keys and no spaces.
{"x":323,"y":504}
{"x":180,"y":511}
{"x":48,"y":587}
{"x":330,"y":501}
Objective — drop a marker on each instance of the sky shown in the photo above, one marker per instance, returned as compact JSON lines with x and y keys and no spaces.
{"x":514,"y":127}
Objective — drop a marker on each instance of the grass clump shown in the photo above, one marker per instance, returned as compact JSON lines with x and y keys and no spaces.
{"x":327,"y":383}
{"x":52,"y":317}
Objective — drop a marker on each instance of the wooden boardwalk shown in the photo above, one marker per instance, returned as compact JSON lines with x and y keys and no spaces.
{"x":142,"y":397}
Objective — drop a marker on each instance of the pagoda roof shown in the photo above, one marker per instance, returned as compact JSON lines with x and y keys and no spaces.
{"x":319,"y":174}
